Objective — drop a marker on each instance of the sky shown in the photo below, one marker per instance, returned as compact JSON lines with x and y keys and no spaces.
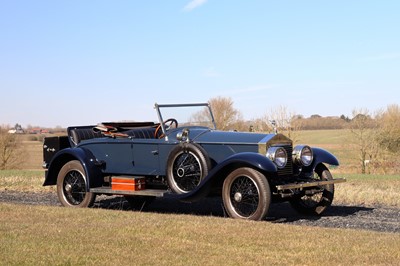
{"x":72,"y":62}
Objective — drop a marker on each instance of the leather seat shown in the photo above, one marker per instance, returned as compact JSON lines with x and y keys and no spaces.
{"x":142,"y":133}
{"x":78,"y":134}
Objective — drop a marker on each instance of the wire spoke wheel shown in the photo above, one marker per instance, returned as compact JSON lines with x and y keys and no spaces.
{"x":187,"y":165}
{"x":246,"y":194}
{"x":315,"y":202}
{"x":72,"y":186}
{"x":187,"y":171}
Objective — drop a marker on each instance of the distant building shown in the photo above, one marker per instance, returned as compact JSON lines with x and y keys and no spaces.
{"x":16,"y":130}
{"x":38,"y":130}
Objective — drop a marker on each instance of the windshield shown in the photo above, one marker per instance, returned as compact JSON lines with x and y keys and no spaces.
{"x":198,"y":114}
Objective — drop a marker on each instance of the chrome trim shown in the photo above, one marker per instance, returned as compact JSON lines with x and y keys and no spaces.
{"x":145,"y":192}
{"x":297,"y":155}
{"x":310,"y":184}
{"x":271,"y":154}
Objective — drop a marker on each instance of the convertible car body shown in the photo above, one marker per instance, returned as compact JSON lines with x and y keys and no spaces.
{"x":186,"y":157}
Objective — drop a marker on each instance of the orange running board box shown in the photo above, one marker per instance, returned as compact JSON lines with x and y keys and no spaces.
{"x":128,"y":183}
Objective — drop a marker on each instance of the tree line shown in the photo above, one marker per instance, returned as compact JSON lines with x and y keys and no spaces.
{"x":375,"y":136}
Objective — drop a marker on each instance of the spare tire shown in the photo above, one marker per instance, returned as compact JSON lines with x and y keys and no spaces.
{"x":187,"y":166}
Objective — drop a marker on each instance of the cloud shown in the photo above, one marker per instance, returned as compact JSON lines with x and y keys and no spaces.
{"x":194,"y":4}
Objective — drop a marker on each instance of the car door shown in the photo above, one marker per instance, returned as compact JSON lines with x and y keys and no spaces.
{"x":145,"y":156}
{"x":116,"y":155}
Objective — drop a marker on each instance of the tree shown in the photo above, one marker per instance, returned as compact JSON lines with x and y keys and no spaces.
{"x":9,"y":150}
{"x":365,"y":134}
{"x":389,"y":139}
{"x":345,"y":118}
{"x":226,"y":116}
{"x":286,"y":122}
{"x":390,"y":124}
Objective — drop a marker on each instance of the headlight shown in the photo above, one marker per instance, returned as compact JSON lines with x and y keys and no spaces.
{"x":303,"y":155}
{"x":278,"y":155}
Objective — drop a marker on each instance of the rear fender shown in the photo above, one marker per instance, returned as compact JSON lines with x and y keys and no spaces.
{"x":88,"y":161}
{"x":218,"y":174}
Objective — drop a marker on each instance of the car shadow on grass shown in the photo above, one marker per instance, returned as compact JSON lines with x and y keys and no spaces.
{"x":278,"y":213}
{"x":284,"y":213}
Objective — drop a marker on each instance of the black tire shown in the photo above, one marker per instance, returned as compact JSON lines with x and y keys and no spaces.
{"x":316,"y":204}
{"x":246,"y":194}
{"x":139,"y":203}
{"x":187,"y":166}
{"x":72,"y":186}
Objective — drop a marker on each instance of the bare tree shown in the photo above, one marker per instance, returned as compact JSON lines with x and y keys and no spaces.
{"x":226,"y":116}
{"x":286,"y":122}
{"x":389,"y":139}
{"x":390,"y":124}
{"x":9,"y":150}
{"x":365,"y":134}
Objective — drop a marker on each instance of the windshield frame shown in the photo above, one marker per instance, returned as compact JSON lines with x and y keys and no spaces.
{"x":158,"y":108}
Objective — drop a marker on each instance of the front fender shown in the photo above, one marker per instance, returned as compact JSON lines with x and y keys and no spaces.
{"x":217,"y":175}
{"x":87,"y":160}
{"x":322,"y":156}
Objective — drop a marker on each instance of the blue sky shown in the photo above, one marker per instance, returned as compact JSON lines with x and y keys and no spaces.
{"x":83,"y":62}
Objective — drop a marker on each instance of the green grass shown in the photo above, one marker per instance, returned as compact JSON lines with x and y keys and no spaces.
{"x":338,"y":142}
{"x":323,"y":137}
{"x":37,"y":235}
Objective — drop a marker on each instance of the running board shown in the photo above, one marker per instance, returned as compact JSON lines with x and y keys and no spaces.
{"x":144,"y":192}
{"x":310,"y":184}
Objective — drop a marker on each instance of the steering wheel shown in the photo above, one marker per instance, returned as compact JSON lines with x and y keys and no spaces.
{"x":167,"y":124}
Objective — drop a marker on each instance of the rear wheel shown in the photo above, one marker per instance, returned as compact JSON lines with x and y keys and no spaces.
{"x":72,"y":186}
{"x":246,"y":194}
{"x":316,"y":203}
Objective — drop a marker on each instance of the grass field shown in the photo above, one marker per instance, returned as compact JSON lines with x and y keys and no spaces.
{"x":38,"y":235}
{"x":46,"y":235}
{"x":338,"y":142}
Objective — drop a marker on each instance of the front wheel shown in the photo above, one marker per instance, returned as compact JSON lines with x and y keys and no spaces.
{"x":246,"y":194}
{"x":316,"y":203}
{"x":72,"y":186}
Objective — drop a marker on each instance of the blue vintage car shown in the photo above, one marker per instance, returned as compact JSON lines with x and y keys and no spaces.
{"x":186,"y":157}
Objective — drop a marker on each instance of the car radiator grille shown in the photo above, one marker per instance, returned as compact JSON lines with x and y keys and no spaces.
{"x":288,"y":170}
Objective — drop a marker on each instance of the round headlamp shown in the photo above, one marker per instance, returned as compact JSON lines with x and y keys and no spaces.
{"x":278,"y":155}
{"x":303,"y":155}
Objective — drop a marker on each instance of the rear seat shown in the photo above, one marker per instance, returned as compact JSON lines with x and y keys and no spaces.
{"x":77,"y":134}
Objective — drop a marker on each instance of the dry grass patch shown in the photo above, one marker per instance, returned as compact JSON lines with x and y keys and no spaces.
{"x":38,"y":235}
{"x":33,"y":156}
{"x":23,"y":180}
{"x":369,"y":190}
